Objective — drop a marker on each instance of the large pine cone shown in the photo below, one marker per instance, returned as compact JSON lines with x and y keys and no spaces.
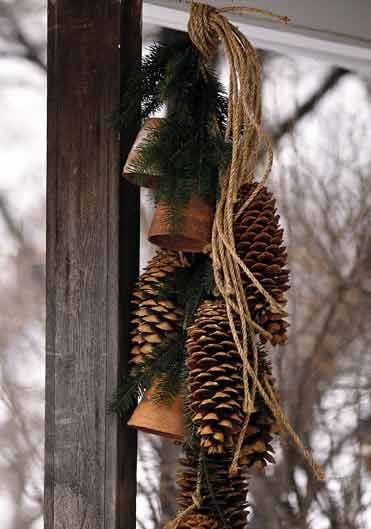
{"x":216,"y":390}
{"x":214,"y":378}
{"x":259,"y":243}
{"x":198,"y":521}
{"x":223,"y":496}
{"x":154,"y":319}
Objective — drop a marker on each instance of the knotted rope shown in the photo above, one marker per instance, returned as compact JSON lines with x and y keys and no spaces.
{"x":207,"y":27}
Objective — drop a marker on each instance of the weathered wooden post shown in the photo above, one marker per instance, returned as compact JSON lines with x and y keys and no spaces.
{"x":92,"y":261}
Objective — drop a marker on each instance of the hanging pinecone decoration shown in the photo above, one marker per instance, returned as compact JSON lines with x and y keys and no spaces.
{"x":154,"y":319}
{"x":198,"y":521}
{"x":259,"y":243}
{"x":214,"y":378}
{"x":223,"y":496}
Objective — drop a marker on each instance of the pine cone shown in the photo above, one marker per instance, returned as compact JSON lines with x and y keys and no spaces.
{"x":216,"y":390}
{"x":214,"y":378}
{"x":222,"y":495}
{"x":154,"y":319}
{"x":198,"y":521}
{"x":257,"y":450}
{"x":259,"y":243}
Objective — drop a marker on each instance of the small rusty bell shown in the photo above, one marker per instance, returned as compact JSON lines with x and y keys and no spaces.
{"x":159,"y":418}
{"x":194,"y":233}
{"x":146,"y":179}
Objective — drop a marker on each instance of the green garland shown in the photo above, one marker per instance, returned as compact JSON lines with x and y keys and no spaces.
{"x":188,"y":287}
{"x":187,"y":153}
{"x":166,"y":366}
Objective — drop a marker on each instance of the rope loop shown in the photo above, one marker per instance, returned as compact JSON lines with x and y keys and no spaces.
{"x":200,"y":29}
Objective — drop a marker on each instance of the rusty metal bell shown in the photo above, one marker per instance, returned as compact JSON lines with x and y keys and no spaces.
{"x":147,"y":179}
{"x":159,"y":418}
{"x":193,"y":235}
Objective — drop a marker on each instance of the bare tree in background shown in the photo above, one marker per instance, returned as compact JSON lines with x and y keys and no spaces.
{"x":324,"y":373}
{"x":21,"y":378}
{"x":23,"y":31}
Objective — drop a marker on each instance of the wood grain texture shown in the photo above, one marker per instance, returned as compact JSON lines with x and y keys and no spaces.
{"x":92,"y":261}
{"x":131,"y":51}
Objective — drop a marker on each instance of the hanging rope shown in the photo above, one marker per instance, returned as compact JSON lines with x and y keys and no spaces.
{"x":207,"y":27}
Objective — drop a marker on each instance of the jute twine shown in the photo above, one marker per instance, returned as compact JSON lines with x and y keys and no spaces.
{"x":207,"y":27}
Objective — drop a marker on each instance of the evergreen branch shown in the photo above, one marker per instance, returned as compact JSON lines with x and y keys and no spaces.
{"x":172,"y":377}
{"x":188,"y":287}
{"x":163,"y":367}
{"x":190,"y":440}
{"x":126,"y":396}
{"x":186,"y":160}
{"x":188,"y":152}
{"x":200,"y":286}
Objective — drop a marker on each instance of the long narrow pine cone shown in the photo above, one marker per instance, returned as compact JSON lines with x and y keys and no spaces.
{"x":216,"y":390}
{"x":214,"y":378}
{"x":154,"y":319}
{"x":259,"y":243}
{"x":198,"y":521}
{"x":224,"y":497}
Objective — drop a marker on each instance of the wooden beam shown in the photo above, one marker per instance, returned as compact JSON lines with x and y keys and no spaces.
{"x":131,"y":52}
{"x":335,"y":31}
{"x":90,"y":460}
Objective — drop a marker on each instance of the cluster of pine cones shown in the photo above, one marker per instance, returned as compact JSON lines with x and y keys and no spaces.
{"x":216,"y":389}
{"x":215,"y":380}
{"x":214,"y":366}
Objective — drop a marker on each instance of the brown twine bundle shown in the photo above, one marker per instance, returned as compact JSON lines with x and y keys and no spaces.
{"x":207,"y":27}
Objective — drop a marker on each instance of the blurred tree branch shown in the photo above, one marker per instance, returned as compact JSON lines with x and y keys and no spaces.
{"x":18,"y":42}
{"x":12,"y":227}
{"x":330,"y":82}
